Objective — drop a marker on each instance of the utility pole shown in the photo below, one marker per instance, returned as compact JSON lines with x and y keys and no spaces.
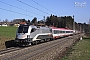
{"x":80,"y":28}
{"x":73,"y":23}
{"x":44,"y":19}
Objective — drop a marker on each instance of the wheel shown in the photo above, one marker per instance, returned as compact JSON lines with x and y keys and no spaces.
{"x":45,"y":40}
{"x":36,"y":42}
{"x":33,"y":43}
{"x":51,"y":39}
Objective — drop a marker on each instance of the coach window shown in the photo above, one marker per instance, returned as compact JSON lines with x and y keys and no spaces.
{"x":55,"y":32}
{"x":71,"y":31}
{"x":59,"y":32}
{"x":63,"y":31}
{"x":67,"y":31}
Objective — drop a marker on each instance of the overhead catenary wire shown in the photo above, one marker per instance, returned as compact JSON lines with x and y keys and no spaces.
{"x":19,"y":8}
{"x":43,"y":6}
{"x":32,"y":6}
{"x":15,"y":12}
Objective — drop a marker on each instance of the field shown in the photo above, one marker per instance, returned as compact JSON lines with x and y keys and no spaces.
{"x":6,"y":34}
{"x":81,"y":51}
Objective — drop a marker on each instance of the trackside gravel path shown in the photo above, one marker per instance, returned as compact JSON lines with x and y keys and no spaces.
{"x":52,"y":50}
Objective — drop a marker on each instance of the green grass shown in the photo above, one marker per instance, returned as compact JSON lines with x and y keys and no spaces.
{"x":6,"y":34}
{"x":7,"y":31}
{"x":81,"y":51}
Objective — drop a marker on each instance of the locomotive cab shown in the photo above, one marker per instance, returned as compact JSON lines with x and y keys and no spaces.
{"x":23,"y":35}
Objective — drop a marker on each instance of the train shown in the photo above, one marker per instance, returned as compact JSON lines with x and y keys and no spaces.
{"x":61,"y":32}
{"x":29,"y":34}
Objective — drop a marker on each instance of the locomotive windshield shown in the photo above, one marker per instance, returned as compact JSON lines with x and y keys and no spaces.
{"x":23,"y":29}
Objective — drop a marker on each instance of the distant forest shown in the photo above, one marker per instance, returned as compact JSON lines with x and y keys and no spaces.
{"x":60,"y":22}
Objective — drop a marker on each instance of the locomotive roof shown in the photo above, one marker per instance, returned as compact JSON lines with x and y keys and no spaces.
{"x":33,"y":26}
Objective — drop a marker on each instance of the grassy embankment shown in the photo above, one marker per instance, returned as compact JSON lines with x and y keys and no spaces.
{"x":81,"y":51}
{"x":6,"y":34}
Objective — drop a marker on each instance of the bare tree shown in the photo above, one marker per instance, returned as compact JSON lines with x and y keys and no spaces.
{"x":6,"y":20}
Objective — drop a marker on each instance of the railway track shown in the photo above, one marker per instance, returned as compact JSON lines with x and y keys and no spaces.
{"x":30,"y":52}
{"x":7,"y":50}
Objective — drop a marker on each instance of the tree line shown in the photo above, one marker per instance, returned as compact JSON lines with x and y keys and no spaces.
{"x":60,"y":22}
